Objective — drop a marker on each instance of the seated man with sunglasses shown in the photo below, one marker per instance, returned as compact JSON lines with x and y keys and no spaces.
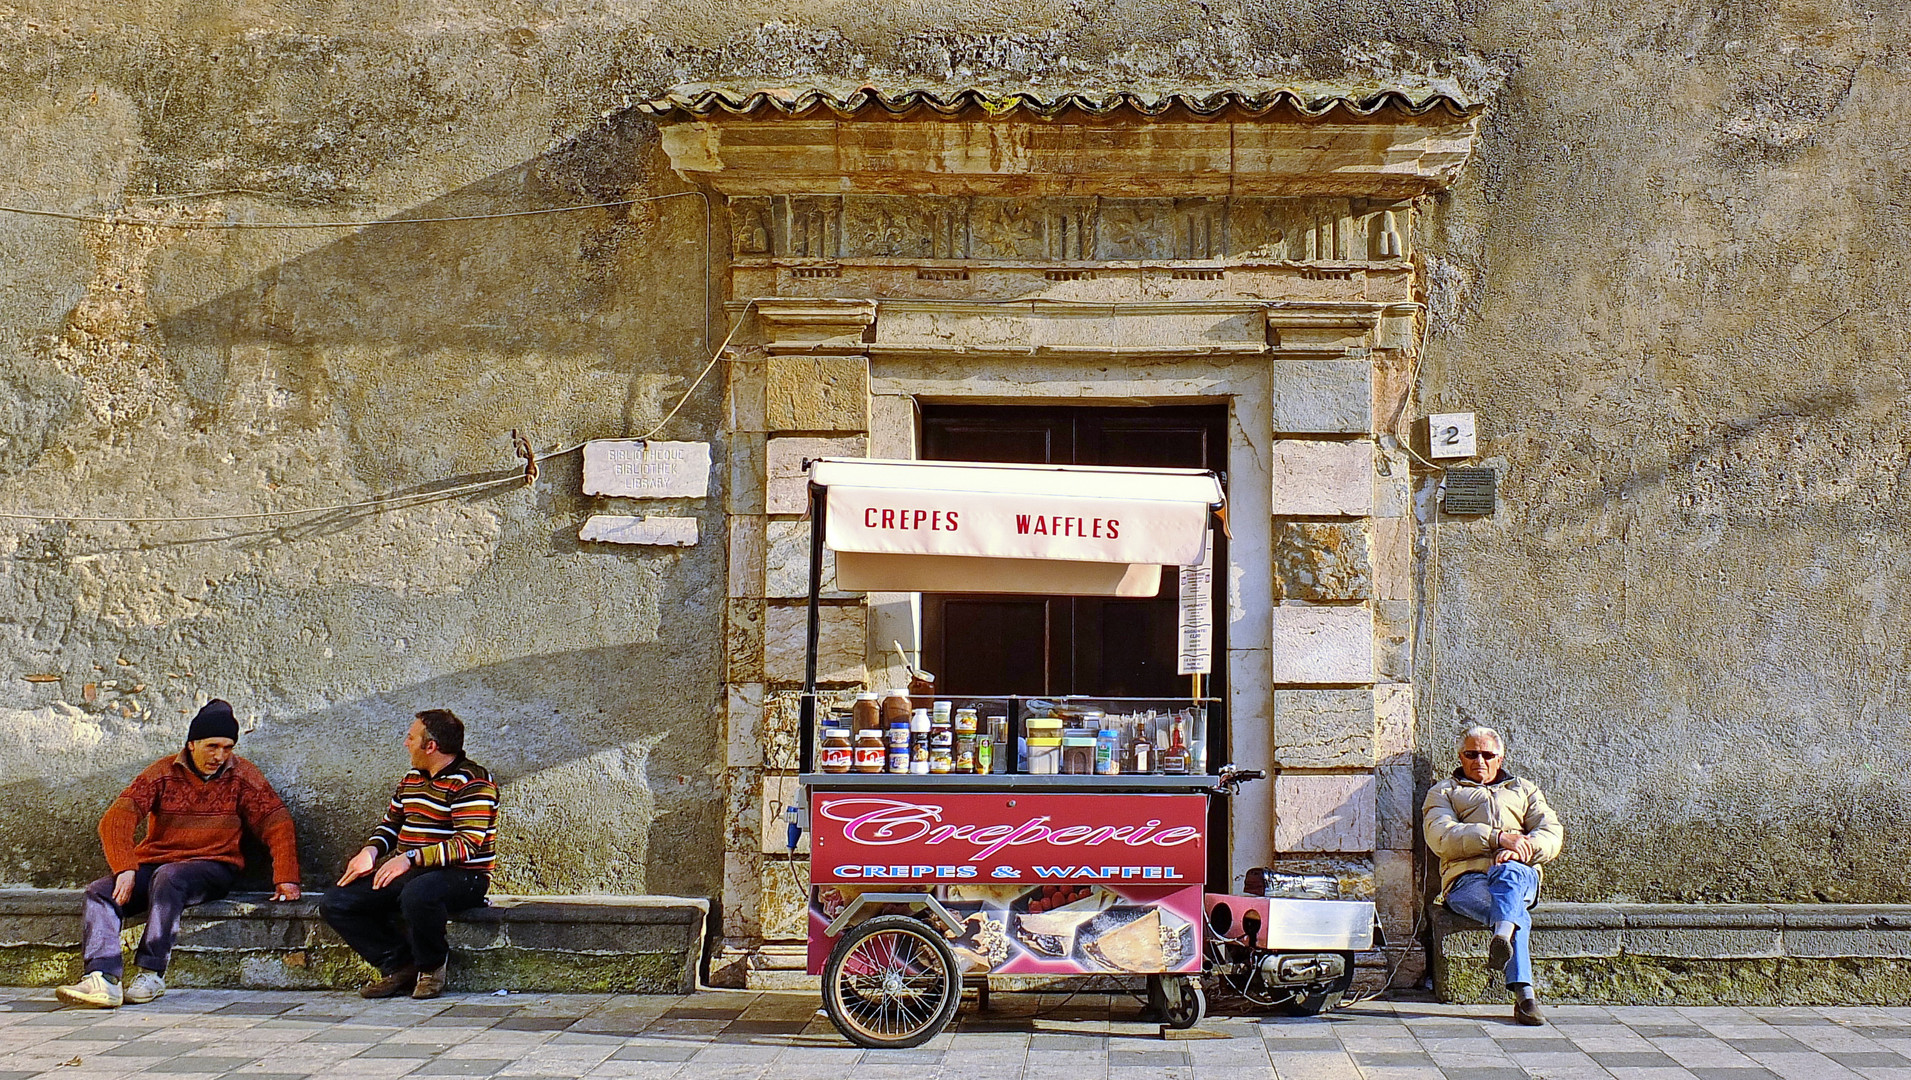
{"x":1492,"y":830}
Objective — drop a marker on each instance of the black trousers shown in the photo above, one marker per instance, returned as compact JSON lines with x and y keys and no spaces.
{"x":368,"y":918}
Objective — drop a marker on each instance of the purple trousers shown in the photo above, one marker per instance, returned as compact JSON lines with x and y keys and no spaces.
{"x":162,"y":892}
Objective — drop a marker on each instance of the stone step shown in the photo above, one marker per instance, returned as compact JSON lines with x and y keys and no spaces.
{"x":624,"y":944}
{"x":1734,"y":954}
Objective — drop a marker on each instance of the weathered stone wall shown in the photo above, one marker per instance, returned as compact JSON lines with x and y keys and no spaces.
{"x":1669,"y":287}
{"x":1669,"y":283}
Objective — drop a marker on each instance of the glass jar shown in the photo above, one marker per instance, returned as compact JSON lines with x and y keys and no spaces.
{"x":869,"y":753}
{"x":865,"y":712}
{"x":836,"y":750}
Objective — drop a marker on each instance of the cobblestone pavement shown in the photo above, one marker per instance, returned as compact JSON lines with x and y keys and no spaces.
{"x":719,"y":1035}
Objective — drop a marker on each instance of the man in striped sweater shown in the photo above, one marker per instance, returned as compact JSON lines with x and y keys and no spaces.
{"x":431,"y":856}
{"x":194,"y":805}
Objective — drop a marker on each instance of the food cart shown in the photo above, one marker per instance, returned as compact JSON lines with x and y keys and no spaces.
{"x":1012,"y":835}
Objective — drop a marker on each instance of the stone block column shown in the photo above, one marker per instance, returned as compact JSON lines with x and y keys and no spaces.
{"x":800,"y":391}
{"x":1341,"y":716}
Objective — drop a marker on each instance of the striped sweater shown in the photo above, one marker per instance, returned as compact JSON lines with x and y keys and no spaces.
{"x":192,"y":817}
{"x":450,"y":819}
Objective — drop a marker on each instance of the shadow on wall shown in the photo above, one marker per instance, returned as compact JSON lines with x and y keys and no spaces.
{"x":609,"y":755}
{"x":606,"y":788}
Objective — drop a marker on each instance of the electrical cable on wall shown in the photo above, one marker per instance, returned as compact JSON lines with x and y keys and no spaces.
{"x":522,"y":478}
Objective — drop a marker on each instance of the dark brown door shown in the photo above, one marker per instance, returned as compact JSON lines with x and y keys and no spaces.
{"x":1053,"y":645}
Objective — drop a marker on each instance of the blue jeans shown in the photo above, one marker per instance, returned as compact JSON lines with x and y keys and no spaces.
{"x":1502,"y":894}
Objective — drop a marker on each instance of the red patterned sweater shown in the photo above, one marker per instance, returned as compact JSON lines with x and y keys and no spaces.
{"x":190,"y":817}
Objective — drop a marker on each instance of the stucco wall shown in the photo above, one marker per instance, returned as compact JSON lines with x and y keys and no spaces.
{"x":1669,"y":284}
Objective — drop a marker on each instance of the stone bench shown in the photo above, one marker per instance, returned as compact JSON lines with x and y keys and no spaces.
{"x":623,"y":944}
{"x":1692,"y":954}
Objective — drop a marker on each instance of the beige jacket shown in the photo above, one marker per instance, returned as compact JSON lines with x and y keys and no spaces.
{"x":1464,"y":818}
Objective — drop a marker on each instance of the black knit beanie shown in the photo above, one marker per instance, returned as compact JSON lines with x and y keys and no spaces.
{"x":215,"y":721}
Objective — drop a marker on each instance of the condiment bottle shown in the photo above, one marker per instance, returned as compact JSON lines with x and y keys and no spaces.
{"x":836,"y":750}
{"x":984,"y":754}
{"x":868,"y":753}
{"x":1174,"y":760}
{"x":919,"y":742}
{"x":941,"y":745}
{"x":865,"y":713}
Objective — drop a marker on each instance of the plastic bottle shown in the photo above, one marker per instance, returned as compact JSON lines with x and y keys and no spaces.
{"x":867,"y":753}
{"x":919,"y":742}
{"x":1107,"y":752}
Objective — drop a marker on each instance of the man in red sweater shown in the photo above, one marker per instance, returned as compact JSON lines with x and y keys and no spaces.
{"x":194,"y":804}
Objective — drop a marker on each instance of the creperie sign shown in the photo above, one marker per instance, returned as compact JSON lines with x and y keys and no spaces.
{"x":893,"y":838}
{"x":1015,"y":526}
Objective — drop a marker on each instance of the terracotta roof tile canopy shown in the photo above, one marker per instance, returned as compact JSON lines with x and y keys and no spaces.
{"x":1386,"y":143}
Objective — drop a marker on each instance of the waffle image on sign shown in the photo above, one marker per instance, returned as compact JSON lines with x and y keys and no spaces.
{"x":1139,"y":945}
{"x":1051,"y":933}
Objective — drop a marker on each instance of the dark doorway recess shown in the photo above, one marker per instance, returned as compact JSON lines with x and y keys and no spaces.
{"x":1054,"y":645}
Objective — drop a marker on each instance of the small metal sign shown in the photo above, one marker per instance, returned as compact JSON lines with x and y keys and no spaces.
{"x":1469,"y":491}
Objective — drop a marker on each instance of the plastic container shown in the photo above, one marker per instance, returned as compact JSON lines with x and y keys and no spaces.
{"x":1078,"y":755}
{"x":1107,"y":753}
{"x":869,"y":753}
{"x":1044,"y":756}
{"x":999,"y":744}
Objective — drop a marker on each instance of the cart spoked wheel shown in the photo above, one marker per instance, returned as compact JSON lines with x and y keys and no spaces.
{"x":1177,"y":1000}
{"x":891,"y":983}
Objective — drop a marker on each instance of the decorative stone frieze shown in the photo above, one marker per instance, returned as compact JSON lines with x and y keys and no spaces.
{"x":1060,"y":229}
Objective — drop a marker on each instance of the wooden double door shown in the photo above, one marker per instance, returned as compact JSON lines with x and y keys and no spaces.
{"x":1054,"y":645}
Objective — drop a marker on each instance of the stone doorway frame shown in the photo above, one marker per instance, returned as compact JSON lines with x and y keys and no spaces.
{"x":1078,"y":263}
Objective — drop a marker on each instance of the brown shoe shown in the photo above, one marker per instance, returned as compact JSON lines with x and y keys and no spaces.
{"x":430,"y":983}
{"x":398,"y":982}
{"x":1526,"y":1011}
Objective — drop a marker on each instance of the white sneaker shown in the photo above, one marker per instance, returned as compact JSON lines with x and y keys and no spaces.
{"x":146,"y":986}
{"x":95,"y":991}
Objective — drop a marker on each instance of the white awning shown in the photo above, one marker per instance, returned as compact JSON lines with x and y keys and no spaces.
{"x":979,"y":527}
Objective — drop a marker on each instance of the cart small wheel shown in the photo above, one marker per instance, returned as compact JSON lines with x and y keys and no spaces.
{"x":1183,"y":1003}
{"x":1157,"y":1000}
{"x":1308,"y":1004}
{"x":891,"y":983}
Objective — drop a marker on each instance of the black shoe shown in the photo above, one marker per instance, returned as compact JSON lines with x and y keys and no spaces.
{"x":1526,"y":1011}
{"x":1498,"y":953}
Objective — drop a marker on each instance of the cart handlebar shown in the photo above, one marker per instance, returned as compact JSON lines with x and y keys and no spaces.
{"x":1233,"y":776}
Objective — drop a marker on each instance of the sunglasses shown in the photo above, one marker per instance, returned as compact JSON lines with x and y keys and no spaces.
{"x":1478,"y":755}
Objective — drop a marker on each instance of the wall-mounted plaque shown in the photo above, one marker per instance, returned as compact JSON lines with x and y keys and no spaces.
{"x":633,"y":469}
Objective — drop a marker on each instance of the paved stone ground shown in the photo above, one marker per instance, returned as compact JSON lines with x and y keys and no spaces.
{"x":251,"y":1035}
